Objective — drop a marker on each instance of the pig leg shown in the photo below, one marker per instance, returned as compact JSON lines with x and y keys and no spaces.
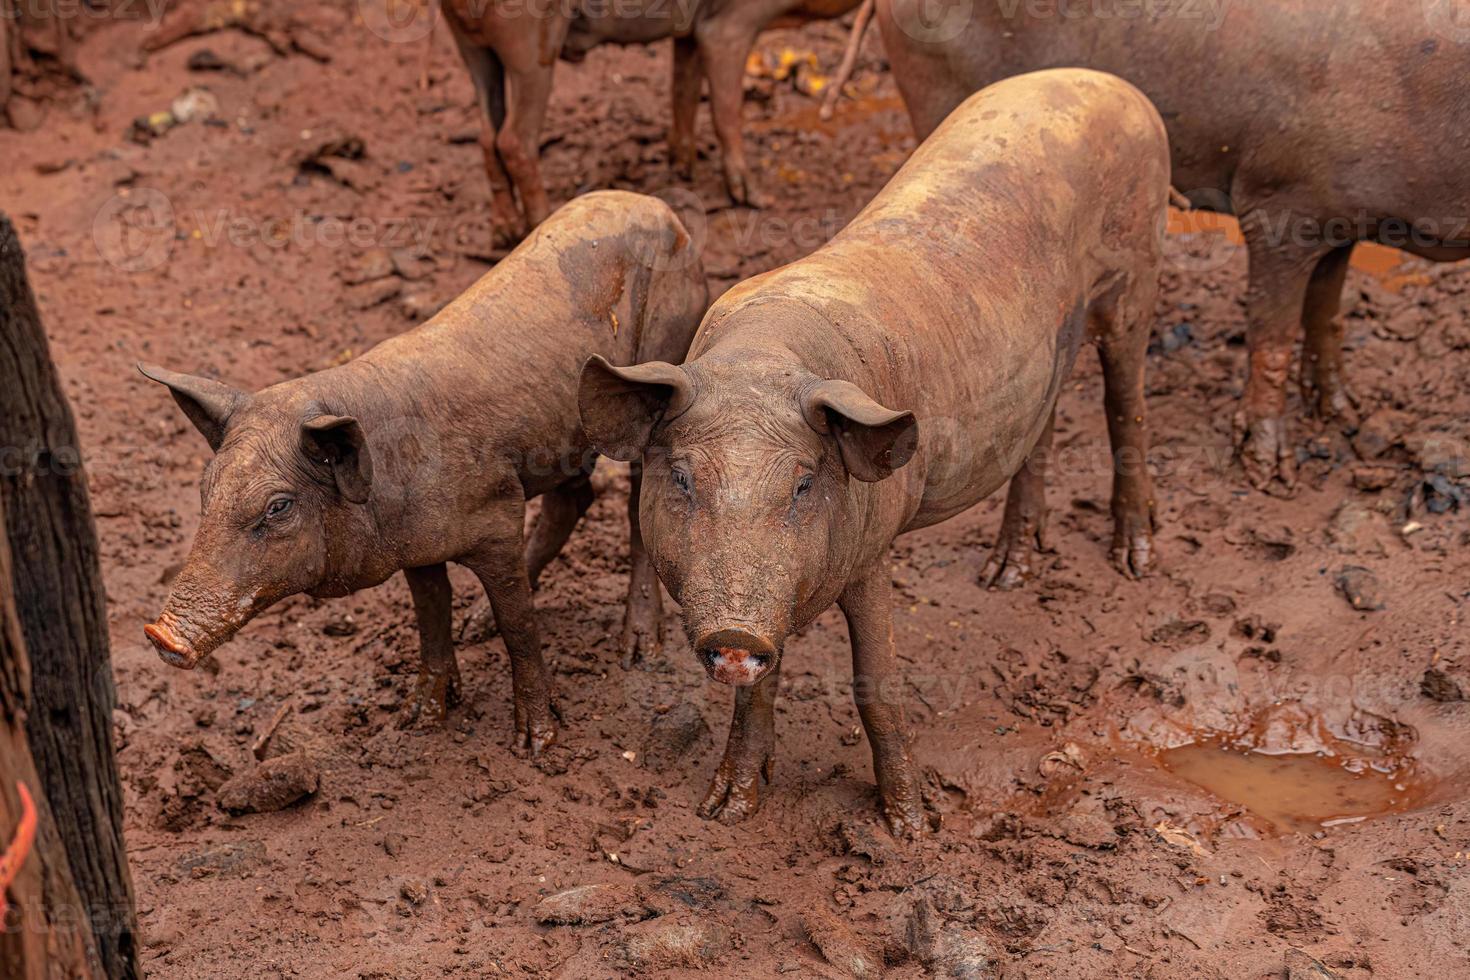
{"x":1275,"y":300}
{"x":489,"y":77}
{"x":561,"y":509}
{"x":1023,"y":528}
{"x":501,"y":568}
{"x":867,"y":602}
{"x":724,"y":46}
{"x":749,"y":753}
{"x":1323,"y":390}
{"x":688,"y":76}
{"x":438,"y":684}
{"x":1122,"y":329}
{"x":519,"y":139}
{"x":645,"y":599}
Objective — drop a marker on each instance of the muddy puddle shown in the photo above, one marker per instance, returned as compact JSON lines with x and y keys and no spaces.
{"x":1299,"y":792}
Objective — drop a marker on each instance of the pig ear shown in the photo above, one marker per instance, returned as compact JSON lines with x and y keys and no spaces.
{"x":874,"y":441}
{"x":208,"y":404}
{"x":621,"y":405}
{"x":337,"y":441}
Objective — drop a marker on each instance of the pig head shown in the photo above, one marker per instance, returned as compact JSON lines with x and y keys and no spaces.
{"x":281,"y":508}
{"x":756,"y":488}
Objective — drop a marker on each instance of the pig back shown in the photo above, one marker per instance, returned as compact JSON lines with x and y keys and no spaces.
{"x":610,"y":273}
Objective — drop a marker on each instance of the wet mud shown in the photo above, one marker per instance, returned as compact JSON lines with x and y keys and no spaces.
{"x":1152,"y":779}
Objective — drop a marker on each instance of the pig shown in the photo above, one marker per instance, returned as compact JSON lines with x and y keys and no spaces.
{"x":1318,"y":123}
{"x":510,"y":48}
{"x":478,"y":410}
{"x":889,"y":381}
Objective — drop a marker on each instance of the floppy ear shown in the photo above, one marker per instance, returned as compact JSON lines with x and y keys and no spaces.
{"x":874,"y":441}
{"x":337,"y":441}
{"x":621,"y":405}
{"x":208,"y":404}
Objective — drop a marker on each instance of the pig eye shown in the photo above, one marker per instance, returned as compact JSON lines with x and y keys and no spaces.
{"x":681,"y":480}
{"x":803,"y":485}
{"x":278,"y":507}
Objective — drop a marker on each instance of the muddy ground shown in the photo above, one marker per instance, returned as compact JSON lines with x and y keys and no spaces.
{"x":246,"y":243}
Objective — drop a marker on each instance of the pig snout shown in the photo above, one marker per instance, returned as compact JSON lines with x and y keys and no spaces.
{"x":172,"y":648}
{"x":736,"y":656}
{"x":199,"y":616}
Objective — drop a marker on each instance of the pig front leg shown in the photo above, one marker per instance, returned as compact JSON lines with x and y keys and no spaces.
{"x":749,"y":753}
{"x":561,"y":509}
{"x":1023,"y":527}
{"x":1323,"y":390}
{"x":645,"y":613}
{"x":1122,"y":329}
{"x":867,"y":602}
{"x":501,"y":568}
{"x":438,"y":685}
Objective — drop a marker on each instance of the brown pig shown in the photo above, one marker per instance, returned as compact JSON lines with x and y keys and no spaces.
{"x":889,"y":381}
{"x":1319,"y":122}
{"x":425,"y":449}
{"x":511,"y":48}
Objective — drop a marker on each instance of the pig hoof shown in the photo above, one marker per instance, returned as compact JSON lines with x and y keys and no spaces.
{"x":1133,"y":553}
{"x":743,"y":191}
{"x":735,"y":793}
{"x":431,"y":701}
{"x":1266,"y":455}
{"x":905,"y":818}
{"x":640,"y":639}
{"x":534,"y":737}
{"x":1010,"y":564}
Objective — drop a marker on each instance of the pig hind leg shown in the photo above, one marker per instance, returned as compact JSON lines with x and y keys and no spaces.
{"x":1120,"y":323}
{"x":1023,"y":527}
{"x":1275,"y":301}
{"x":1323,"y":390}
{"x":688,"y":77}
{"x":561,"y":509}
{"x":488,"y":75}
{"x":438,"y":684}
{"x":501,"y":568}
{"x":519,"y":140}
{"x":724,"y":44}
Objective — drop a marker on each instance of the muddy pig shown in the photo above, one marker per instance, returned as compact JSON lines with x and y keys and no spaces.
{"x":511,"y":48}
{"x":1319,"y":122}
{"x":425,"y":449}
{"x":889,"y":381}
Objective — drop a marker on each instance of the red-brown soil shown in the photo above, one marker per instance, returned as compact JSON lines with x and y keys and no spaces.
{"x":229,"y":246}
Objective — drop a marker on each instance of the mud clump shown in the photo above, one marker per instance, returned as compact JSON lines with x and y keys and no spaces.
{"x":273,"y":785}
{"x":675,"y":736}
{"x":840,"y":946}
{"x":1361,"y":588}
{"x":954,"y":952}
{"x":667,"y":943}
{"x":591,"y":905}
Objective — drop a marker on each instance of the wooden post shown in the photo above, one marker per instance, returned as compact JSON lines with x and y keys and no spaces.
{"x":58,"y":604}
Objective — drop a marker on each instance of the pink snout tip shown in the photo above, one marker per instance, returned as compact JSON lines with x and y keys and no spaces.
{"x":736,"y":657}
{"x":174,"y":651}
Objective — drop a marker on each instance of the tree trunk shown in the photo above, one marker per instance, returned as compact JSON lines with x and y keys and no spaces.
{"x":61,"y":610}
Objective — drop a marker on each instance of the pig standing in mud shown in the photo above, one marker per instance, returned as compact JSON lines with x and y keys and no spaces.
{"x":511,"y":47}
{"x":1319,"y":122}
{"x":482,"y":399}
{"x":889,"y":381}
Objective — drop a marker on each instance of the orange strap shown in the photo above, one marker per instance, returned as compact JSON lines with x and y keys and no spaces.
{"x":15,"y":854}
